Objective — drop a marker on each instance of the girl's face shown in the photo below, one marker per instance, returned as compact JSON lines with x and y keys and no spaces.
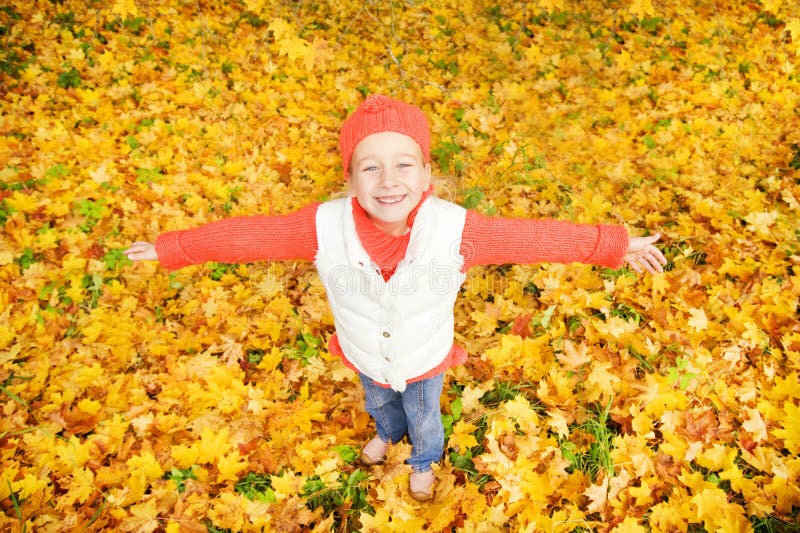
{"x":388,"y":177}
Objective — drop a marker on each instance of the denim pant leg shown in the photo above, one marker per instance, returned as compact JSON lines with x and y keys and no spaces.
{"x":386,"y":408}
{"x":424,"y":418}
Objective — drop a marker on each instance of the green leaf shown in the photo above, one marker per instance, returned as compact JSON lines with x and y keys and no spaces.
{"x":672,"y":375}
{"x":114,"y":259}
{"x":70,"y":79}
{"x":447,"y":422}
{"x":347,"y":453}
{"x":255,"y":486}
{"x":456,"y":408}
{"x":148,"y":175}
{"x":56,"y":171}
{"x":26,"y":259}
{"x":472,"y":198}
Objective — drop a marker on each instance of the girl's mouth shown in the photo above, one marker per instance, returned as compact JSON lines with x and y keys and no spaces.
{"x":390,"y":200}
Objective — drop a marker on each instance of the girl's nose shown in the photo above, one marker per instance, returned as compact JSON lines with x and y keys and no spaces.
{"x":388,"y":178}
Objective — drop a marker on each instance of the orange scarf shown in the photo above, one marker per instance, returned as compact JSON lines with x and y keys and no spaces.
{"x":386,"y":250}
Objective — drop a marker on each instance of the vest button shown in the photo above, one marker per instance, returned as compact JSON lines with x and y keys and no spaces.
{"x":386,"y":334}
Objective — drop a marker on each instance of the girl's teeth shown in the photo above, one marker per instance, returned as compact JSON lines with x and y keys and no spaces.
{"x":392,"y":200}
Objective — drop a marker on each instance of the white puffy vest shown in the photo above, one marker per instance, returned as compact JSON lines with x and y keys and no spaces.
{"x":399,"y":329}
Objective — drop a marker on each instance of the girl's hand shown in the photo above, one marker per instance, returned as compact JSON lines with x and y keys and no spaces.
{"x":141,"y":251}
{"x":642,"y":255}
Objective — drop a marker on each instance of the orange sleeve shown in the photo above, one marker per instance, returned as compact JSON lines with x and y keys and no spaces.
{"x":242,"y":240}
{"x":496,"y":241}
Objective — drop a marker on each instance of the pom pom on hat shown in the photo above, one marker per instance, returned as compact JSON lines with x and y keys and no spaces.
{"x":378,"y":113}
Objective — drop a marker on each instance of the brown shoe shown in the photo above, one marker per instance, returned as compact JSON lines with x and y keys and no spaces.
{"x":374,"y":452}
{"x":420,"y":485}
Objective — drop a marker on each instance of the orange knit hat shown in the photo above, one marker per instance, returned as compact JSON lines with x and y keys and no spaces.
{"x":380,"y":113}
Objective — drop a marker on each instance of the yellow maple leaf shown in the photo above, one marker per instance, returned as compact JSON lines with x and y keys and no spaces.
{"x":289,"y":44}
{"x":284,"y":485}
{"x":7,"y":254}
{"x":793,"y":27}
{"x":698,"y":320}
{"x":643,"y":495}
{"x":615,"y":327}
{"x":761,"y":222}
{"x":90,"y":406}
{"x":230,"y":465}
{"x":552,"y":5}
{"x":711,"y":503}
{"x":100,"y":174}
{"x":125,"y":9}
{"x":22,"y":201}
{"x":629,"y":525}
{"x":81,"y":487}
{"x":471,"y":395}
{"x":212,"y":445}
{"x":520,"y":409}
{"x":89,"y":376}
{"x":754,"y":423}
{"x":558,"y":421}
{"x":642,"y":8}
{"x":73,"y":453}
{"x":598,"y":300}
{"x":254,"y":5}
{"x":485,"y":324}
{"x":143,"y":517}
{"x":601,"y":379}
{"x":463,"y":435}
{"x":790,"y":428}
{"x":320,"y":54}
{"x":574,"y":357}
{"x":598,"y":496}
{"x":32,"y":484}
{"x":717,"y":457}
{"x":668,"y":516}
{"x":46,"y":240}
{"x":147,"y":464}
{"x":772,"y":6}
{"x":533,"y":54}
{"x":183,"y":455}
{"x":228,"y":511}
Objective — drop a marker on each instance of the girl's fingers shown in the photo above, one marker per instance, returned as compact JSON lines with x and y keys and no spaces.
{"x":650,"y":259}
{"x":141,"y":251}
{"x":134,"y":247}
{"x":659,"y":256}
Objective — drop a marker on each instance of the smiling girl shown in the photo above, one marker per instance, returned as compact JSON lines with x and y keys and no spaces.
{"x":392,"y":258}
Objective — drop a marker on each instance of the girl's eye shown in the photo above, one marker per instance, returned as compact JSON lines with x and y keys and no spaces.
{"x":404,"y":165}
{"x":371,"y":168}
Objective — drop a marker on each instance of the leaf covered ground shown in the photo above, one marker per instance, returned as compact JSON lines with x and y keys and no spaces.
{"x":134,"y":399}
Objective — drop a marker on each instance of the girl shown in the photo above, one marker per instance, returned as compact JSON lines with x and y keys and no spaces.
{"x":392,"y":258}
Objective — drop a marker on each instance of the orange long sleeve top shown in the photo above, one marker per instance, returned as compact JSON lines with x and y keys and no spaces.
{"x":485,"y":241}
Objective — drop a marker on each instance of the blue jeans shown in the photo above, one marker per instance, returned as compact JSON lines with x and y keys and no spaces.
{"x":415,"y":412}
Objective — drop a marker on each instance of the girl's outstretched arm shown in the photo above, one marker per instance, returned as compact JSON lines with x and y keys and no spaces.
{"x":491,"y":240}
{"x":243,"y":239}
{"x":498,"y":240}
